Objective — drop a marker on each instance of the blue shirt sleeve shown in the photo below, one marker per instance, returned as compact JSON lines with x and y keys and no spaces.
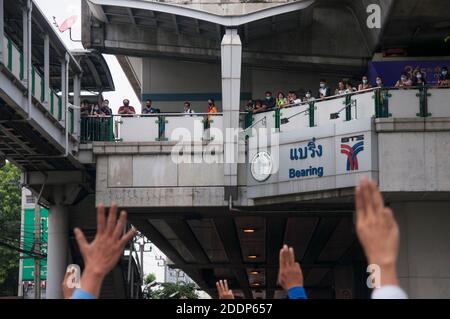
{"x":81,"y":294}
{"x":297,"y":293}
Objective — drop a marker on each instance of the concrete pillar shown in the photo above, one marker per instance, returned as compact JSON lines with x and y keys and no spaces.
{"x":47,"y":70}
{"x":57,"y":252}
{"x":231,"y":55}
{"x":2,"y":33}
{"x":424,"y":259}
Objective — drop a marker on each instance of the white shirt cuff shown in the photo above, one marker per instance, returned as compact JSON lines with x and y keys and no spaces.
{"x":389,"y":292}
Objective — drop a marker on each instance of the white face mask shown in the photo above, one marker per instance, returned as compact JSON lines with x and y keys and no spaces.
{"x":403,"y":78}
{"x":308,"y":95}
{"x":419,"y":76}
{"x":365,"y":81}
{"x":322,"y":85}
{"x":444,"y":73}
{"x":379,"y":82}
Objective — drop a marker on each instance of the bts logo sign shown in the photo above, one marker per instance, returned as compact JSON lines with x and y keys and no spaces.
{"x":351,"y":147}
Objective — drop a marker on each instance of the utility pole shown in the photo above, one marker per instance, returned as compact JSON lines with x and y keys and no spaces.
{"x":144,"y":247}
{"x":22,"y":239}
{"x":37,"y":248}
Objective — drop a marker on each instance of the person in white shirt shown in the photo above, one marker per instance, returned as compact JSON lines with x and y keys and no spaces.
{"x":379,"y":234}
{"x":293,"y":99}
{"x":187,"y":108}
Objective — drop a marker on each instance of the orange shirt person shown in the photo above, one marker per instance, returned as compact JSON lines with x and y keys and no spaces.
{"x":212,"y":109}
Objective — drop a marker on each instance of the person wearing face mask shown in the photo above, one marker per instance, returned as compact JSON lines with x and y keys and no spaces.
{"x":212,"y":109}
{"x":148,"y":108}
{"x":269,"y":102}
{"x":444,"y":78}
{"x":379,"y":82}
{"x":365,"y":85}
{"x":324,"y":90}
{"x":419,"y":79}
{"x":106,"y":111}
{"x":308,"y":97}
{"x":404,"y":82}
{"x":126,"y":109}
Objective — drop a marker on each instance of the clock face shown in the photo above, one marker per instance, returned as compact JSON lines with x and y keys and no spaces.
{"x":261,"y":166}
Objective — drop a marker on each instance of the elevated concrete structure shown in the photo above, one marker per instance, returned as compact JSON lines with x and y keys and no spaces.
{"x":229,"y":218}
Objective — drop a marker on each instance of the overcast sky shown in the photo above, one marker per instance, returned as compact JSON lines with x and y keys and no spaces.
{"x":62,"y":9}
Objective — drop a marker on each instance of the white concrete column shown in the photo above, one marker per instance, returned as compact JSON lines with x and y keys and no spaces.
{"x":57,"y":252}
{"x":2,"y":33}
{"x":424,"y":258}
{"x":231,"y":55}
{"x":47,"y":71}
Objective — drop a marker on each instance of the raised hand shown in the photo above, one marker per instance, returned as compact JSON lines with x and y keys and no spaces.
{"x":224,"y":292}
{"x":377,"y":230}
{"x":290,"y":274}
{"x":102,"y":254}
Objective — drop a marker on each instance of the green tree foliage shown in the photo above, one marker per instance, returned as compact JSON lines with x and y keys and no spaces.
{"x":10,"y":211}
{"x":170,"y":290}
{"x":149,"y":279}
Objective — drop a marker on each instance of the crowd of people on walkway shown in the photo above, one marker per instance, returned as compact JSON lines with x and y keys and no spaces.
{"x":281,"y":100}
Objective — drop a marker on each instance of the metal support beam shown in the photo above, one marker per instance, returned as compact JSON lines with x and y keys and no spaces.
{"x":27,"y":52}
{"x":227,"y":233}
{"x":47,"y":70}
{"x":231,"y":55}
{"x":274,"y":241}
{"x":323,"y":232}
{"x":176,"y":26}
{"x":197,"y":26}
{"x":77,"y":103}
{"x":131,"y":15}
{"x":185,"y":234}
{"x":2,"y":32}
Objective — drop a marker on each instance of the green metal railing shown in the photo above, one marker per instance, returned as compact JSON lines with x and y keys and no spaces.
{"x":311,"y":111}
{"x":37,"y":79}
{"x":348,"y":107}
{"x":97,"y":129}
{"x":423,"y":98}
{"x":381,"y":97}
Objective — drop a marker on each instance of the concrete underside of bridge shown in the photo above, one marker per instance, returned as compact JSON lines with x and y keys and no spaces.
{"x":212,"y":243}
